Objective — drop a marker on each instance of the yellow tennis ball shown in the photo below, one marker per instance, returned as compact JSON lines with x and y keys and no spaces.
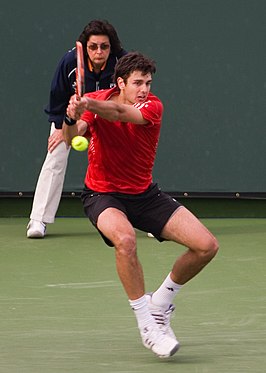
{"x":79,"y":143}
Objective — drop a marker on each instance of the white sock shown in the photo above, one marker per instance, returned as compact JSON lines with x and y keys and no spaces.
{"x":142,"y":313}
{"x":165,"y":294}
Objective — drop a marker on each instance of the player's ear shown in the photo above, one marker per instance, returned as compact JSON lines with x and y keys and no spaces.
{"x":120,"y":83}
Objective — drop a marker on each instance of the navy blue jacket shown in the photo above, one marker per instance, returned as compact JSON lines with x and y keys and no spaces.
{"x":63,"y":83}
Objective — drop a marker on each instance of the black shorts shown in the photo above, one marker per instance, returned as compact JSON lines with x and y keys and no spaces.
{"x":148,"y":211}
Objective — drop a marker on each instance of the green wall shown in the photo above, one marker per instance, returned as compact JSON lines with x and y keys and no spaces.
{"x":211,"y":77}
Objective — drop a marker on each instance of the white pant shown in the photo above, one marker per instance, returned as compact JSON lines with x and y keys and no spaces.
{"x":50,"y":184}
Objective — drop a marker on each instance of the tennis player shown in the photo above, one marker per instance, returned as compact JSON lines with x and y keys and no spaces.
{"x":123,"y":125}
{"x":102,"y":49}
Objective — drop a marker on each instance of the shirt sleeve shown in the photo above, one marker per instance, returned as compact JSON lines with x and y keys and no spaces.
{"x":151,"y":110}
{"x":62,"y":88}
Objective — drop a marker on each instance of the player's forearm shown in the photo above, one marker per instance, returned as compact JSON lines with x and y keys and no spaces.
{"x":69,"y":132}
{"x":109,"y":110}
{"x":82,"y":127}
{"x":112,"y":111}
{"x":105,"y":109}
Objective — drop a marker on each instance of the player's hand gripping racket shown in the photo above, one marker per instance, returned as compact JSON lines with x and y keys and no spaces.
{"x":80,"y":73}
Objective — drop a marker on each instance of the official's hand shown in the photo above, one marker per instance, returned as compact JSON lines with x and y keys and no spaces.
{"x":55,"y":139}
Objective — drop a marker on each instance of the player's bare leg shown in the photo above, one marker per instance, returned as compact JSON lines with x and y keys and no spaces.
{"x":184,"y":228}
{"x":115,"y":226}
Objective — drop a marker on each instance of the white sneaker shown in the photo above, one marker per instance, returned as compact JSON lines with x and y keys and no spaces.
{"x":36,"y":229}
{"x":150,"y":235}
{"x":162,"y":316}
{"x":160,"y":343}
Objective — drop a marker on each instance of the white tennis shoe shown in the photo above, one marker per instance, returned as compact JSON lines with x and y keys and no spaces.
{"x":160,"y":343}
{"x":36,"y":229}
{"x":162,"y":316}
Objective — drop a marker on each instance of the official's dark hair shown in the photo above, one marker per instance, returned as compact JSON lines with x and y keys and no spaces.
{"x":133,"y":61}
{"x":101,"y":27}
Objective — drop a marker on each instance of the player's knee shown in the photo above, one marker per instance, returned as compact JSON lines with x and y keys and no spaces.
{"x":209,"y":249}
{"x":212,"y":248}
{"x":126,"y":244}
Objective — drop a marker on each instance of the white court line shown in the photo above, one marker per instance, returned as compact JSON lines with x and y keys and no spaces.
{"x":84,"y":285}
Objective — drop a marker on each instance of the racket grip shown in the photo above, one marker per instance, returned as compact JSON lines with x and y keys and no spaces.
{"x":69,"y":121}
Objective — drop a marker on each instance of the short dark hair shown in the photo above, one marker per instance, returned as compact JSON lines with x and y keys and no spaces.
{"x":133,"y":61}
{"x":101,"y":27}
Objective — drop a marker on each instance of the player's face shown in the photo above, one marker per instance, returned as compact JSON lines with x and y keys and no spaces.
{"x":98,"y":48}
{"x":136,"y":88}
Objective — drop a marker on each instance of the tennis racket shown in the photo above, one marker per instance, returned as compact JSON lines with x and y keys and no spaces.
{"x":80,"y":73}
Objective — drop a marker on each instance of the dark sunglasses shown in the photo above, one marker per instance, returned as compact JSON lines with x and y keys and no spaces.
{"x":94,"y":46}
